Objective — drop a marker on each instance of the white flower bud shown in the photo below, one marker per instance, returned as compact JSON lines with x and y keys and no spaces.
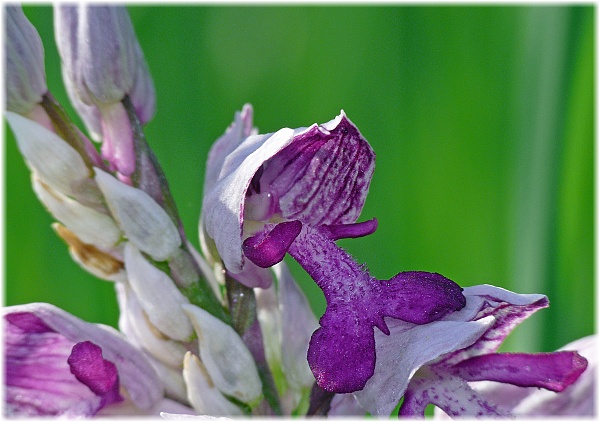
{"x":136,"y":325}
{"x":157,"y":295}
{"x":202,"y":394}
{"x":145,"y":223}
{"x":102,"y":264}
{"x":102,"y":57}
{"x":90,"y":226}
{"x":25,"y":75}
{"x":54,"y":160}
{"x":226,"y":357}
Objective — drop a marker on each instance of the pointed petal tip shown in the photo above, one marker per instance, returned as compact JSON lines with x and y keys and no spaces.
{"x":352,"y":230}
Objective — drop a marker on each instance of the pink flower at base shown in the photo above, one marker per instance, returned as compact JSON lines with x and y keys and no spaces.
{"x":58,"y":365}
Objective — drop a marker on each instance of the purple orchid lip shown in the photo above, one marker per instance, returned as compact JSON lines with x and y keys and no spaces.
{"x":37,"y":374}
{"x":341,"y":353}
{"x":552,"y":371}
{"x":349,"y":231}
{"x":439,"y":360}
{"x":267,"y":249}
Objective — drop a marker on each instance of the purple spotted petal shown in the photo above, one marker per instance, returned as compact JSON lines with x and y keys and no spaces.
{"x":480,"y":326}
{"x":451,"y":394}
{"x":357,"y":302}
{"x":267,"y":249}
{"x":444,"y":382}
{"x":98,"y":374}
{"x":576,"y":400}
{"x":405,"y":350}
{"x":419,"y":297}
{"x":341,"y":353}
{"x":508,"y":309}
{"x":553,"y":371}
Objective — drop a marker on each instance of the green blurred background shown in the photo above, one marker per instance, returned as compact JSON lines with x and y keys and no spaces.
{"x":482,"y":119}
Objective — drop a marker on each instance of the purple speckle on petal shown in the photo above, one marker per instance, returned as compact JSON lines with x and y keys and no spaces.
{"x":553,"y":371}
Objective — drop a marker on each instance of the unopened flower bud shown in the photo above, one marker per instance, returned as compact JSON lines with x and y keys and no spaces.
{"x":165,"y":355}
{"x":144,"y":222}
{"x":89,"y":225}
{"x":103,"y":65}
{"x":102,"y":264}
{"x":25,"y":75}
{"x":226,"y":357}
{"x":157,"y":295}
{"x":54,"y":160}
{"x":102,"y":58}
{"x":201,"y":390}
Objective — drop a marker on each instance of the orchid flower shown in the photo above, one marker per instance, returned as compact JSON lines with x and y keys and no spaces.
{"x":57,"y":364}
{"x":297,"y":191}
{"x":123,"y":234}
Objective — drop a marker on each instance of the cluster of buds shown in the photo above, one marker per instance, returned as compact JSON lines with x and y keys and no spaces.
{"x":114,"y":208}
{"x":234,"y":334}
